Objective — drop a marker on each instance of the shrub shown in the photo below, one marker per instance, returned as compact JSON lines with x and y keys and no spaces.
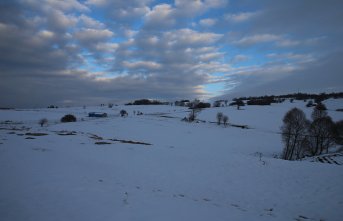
{"x":309,"y":104}
{"x":68,"y":118}
{"x":43,"y":121}
{"x":319,"y":111}
{"x":123,"y":113}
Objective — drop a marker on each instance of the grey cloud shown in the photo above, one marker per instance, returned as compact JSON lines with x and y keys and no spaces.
{"x":314,"y":76}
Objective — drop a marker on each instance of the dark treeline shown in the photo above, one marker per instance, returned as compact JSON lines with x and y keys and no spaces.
{"x":268,"y":99}
{"x":147,"y":102}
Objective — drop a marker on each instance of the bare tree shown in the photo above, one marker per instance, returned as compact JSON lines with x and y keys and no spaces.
{"x":43,"y":121}
{"x":321,"y":135}
{"x":193,"y":114}
{"x":225,"y":120}
{"x":293,"y":132}
{"x":339,"y":132}
{"x":219,"y":117}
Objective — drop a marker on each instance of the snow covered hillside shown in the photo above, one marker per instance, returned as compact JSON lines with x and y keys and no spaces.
{"x":155,"y":167}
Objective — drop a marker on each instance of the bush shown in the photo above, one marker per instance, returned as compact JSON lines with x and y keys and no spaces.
{"x":68,"y":118}
{"x":319,"y":111}
{"x":309,"y":104}
{"x":123,"y":113}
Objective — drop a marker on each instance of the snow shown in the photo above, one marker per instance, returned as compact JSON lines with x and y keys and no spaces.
{"x":191,"y":171}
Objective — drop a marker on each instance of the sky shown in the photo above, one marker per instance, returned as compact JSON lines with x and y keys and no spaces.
{"x":88,"y":52}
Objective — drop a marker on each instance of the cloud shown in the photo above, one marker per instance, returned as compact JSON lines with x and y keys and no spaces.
{"x":88,"y":35}
{"x":191,"y":37}
{"x":122,"y":12}
{"x":161,"y":16}
{"x":277,"y":40}
{"x":90,"y":22}
{"x":240,"y":17}
{"x":291,"y":56}
{"x":192,"y":8}
{"x":315,"y":76}
{"x":142,"y":65}
{"x":239,"y":58}
{"x":258,"y":38}
{"x":208,"y":22}
{"x":102,"y":50}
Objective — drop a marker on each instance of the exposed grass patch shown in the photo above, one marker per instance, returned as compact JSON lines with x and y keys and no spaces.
{"x":102,"y":143}
{"x":95,"y":137}
{"x":130,"y":142}
{"x":36,"y":134}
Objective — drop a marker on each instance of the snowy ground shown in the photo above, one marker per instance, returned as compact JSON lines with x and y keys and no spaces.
{"x":105,"y":169}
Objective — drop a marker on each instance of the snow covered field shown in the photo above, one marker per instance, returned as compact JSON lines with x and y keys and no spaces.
{"x":156,"y":167}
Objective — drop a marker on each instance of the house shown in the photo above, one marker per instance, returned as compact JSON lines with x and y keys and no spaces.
{"x":97,"y":114}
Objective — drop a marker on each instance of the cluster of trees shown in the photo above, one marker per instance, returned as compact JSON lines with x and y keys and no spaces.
{"x":220,"y":103}
{"x":147,"y":102}
{"x":52,"y":106}
{"x":68,"y":118}
{"x":182,"y":103}
{"x":221,"y":117}
{"x":302,"y":137}
{"x":237,"y":102}
{"x":195,"y":104}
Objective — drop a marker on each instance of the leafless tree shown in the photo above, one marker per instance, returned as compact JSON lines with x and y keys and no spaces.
{"x":225,"y":120}
{"x":293,"y":131}
{"x":219,"y":117}
{"x":43,"y":121}
{"x":321,"y":135}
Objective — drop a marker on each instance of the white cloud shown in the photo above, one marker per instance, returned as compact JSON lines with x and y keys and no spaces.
{"x":196,"y":7}
{"x":89,"y":22}
{"x":240,"y":17}
{"x":161,"y":16}
{"x":46,"y":34}
{"x":191,"y":37}
{"x":142,"y":65}
{"x":211,"y":56}
{"x":258,"y":38}
{"x":93,"y":35}
{"x":106,"y":47}
{"x":207,"y":22}
{"x":66,"y":5}
{"x":59,"y":20}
